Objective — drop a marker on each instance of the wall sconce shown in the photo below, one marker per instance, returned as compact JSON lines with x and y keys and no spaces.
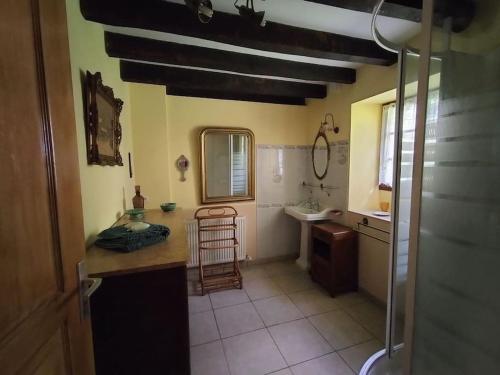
{"x":325,"y":126}
{"x":182,"y":164}
{"x":202,"y":8}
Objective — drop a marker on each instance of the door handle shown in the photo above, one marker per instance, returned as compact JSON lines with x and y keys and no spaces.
{"x":87,"y":287}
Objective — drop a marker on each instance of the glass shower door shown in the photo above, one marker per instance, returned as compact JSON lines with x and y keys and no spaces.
{"x":456,"y":325}
{"x":403,"y":167}
{"x":389,"y":360}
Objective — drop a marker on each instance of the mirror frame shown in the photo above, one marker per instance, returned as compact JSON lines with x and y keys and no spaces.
{"x":251,"y":165}
{"x":318,"y":136}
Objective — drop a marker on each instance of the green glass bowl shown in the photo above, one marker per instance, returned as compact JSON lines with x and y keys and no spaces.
{"x":135,"y":211}
{"x":166,"y":207}
{"x":135,"y":214}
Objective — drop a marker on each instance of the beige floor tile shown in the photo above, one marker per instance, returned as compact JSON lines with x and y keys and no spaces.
{"x":370,"y":316}
{"x":349,"y":299}
{"x":276,"y":310}
{"x":282,"y":372}
{"x":228,"y":298}
{"x":209,"y":359}
{"x":281,"y":268}
{"x":330,"y":364}
{"x":356,"y":356}
{"x":298,"y":341}
{"x":261,"y":288}
{"x":202,"y":328}
{"x":199,"y":304}
{"x":340,"y":329}
{"x":294,"y":282}
{"x":252,"y":273}
{"x":237,"y":319}
{"x":253,"y":353}
{"x":314,"y":301}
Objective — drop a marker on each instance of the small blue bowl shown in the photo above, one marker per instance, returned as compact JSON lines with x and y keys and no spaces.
{"x":166,"y":207}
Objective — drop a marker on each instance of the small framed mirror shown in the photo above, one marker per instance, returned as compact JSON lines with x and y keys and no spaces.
{"x":227,"y":165}
{"x":320,"y":156}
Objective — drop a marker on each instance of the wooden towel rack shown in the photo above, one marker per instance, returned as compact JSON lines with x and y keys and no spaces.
{"x":213,"y":222}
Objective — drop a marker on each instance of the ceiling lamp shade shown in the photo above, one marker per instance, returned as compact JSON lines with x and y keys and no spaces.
{"x":202,"y":8}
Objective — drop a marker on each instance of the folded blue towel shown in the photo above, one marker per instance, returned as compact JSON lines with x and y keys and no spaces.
{"x":121,"y":239}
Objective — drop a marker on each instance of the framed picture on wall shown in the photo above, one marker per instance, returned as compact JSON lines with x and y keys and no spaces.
{"x":103,"y":132}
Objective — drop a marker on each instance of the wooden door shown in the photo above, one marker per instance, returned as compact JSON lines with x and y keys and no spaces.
{"x":41,"y":226}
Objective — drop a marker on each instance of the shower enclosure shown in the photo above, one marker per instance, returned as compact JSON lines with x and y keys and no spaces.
{"x":443,"y":305}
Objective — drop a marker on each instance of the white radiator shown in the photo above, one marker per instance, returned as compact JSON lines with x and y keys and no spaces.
{"x":221,"y":255}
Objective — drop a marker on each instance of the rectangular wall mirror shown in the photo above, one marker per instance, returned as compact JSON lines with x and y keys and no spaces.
{"x":227,"y":165}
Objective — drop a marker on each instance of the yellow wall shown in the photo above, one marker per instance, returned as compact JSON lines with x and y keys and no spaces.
{"x":151,"y":159}
{"x":370,"y":80}
{"x":366,"y":120}
{"x":164,"y":127}
{"x":106,"y":191}
{"x":271,"y":124}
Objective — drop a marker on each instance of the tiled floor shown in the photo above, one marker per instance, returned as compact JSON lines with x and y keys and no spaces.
{"x":281,"y":323}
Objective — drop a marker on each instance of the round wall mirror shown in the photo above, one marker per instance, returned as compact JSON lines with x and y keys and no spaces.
{"x":320,"y":156}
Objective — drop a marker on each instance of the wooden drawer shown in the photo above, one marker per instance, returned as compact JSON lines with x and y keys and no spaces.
{"x":321,"y":235}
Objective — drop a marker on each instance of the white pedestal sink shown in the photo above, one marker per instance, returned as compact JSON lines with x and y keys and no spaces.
{"x":307,"y":217}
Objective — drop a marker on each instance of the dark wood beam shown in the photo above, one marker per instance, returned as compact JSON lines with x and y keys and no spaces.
{"x":409,"y":11}
{"x":135,"y":48}
{"x":232,"y":29}
{"x":221,"y":82}
{"x":211,"y":94}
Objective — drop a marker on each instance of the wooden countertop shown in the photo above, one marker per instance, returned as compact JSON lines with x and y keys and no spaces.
{"x":167,"y":254}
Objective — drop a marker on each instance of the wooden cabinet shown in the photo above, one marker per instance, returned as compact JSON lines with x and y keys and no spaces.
{"x":334,"y":261}
{"x":140,"y":314}
{"x":140,"y":323}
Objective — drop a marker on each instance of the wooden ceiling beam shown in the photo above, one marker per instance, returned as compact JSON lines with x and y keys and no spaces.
{"x":232,"y":29}
{"x":220,"y":82}
{"x":212,"y":94}
{"x":151,"y":50}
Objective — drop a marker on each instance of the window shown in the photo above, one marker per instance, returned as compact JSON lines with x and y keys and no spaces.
{"x":408,"y":136}
{"x":387,"y":146}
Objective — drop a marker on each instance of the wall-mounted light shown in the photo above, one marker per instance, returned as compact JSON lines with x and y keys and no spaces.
{"x":202,"y":8}
{"x":248,"y":12}
{"x":325,"y":126}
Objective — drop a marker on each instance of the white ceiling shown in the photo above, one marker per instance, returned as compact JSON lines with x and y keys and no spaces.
{"x":296,"y":13}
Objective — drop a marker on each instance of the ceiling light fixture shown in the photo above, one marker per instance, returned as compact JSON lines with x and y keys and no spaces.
{"x":202,"y":8}
{"x":248,"y":12}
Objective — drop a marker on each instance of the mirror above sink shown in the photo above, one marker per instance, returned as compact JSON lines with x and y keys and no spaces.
{"x":320,"y":155}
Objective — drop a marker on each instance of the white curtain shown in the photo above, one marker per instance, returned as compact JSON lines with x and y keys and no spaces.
{"x":387,"y":144}
{"x":408,"y":136}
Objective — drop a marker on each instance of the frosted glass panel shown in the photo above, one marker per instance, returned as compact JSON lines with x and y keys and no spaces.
{"x":457,"y":307}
